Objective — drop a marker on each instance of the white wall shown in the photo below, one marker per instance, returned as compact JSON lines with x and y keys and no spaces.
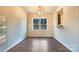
{"x":16,"y":26}
{"x":69,"y":35}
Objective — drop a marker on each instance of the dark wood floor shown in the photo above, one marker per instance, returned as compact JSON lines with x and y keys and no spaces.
{"x":39,"y":45}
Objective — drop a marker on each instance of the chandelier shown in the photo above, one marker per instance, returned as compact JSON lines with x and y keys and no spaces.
{"x":40,"y":10}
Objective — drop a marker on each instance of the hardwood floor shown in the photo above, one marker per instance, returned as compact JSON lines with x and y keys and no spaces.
{"x":39,"y":45}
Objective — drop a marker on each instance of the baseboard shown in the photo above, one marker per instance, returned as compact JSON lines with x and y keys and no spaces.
{"x":64,"y":44}
{"x":40,"y":36}
{"x":20,"y":39}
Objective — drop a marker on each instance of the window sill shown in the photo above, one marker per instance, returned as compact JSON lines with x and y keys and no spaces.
{"x":40,"y":30}
{"x":59,"y":26}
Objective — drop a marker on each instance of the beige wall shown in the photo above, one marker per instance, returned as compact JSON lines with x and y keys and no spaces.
{"x":69,"y":35}
{"x":40,"y":33}
{"x":16,"y":25}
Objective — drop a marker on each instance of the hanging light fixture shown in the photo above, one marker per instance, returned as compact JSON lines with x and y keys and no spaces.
{"x":40,"y":10}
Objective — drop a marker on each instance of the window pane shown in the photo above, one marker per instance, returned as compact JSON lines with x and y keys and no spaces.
{"x":36,"y":21}
{"x":36,"y":27}
{"x":2,"y":32}
{"x":2,"y":23}
{"x":43,"y":27}
{"x":43,"y":21}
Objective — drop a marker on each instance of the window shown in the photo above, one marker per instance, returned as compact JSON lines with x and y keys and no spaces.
{"x":39,"y":24}
{"x":60,"y":17}
{"x":36,"y":24}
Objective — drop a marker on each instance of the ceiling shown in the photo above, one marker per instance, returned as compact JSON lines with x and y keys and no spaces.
{"x":46,"y":9}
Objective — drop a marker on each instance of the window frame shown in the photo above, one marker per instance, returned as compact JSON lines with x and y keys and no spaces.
{"x":40,"y":25}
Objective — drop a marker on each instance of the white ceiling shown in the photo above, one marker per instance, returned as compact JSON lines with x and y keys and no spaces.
{"x":47,"y":9}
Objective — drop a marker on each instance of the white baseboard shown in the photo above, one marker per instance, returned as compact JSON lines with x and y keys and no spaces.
{"x":39,"y":36}
{"x":64,"y":44}
{"x":20,"y":39}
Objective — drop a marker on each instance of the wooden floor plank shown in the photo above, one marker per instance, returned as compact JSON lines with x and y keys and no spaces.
{"x":48,"y":44}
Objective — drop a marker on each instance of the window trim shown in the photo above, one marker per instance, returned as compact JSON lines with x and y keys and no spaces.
{"x":40,"y":27}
